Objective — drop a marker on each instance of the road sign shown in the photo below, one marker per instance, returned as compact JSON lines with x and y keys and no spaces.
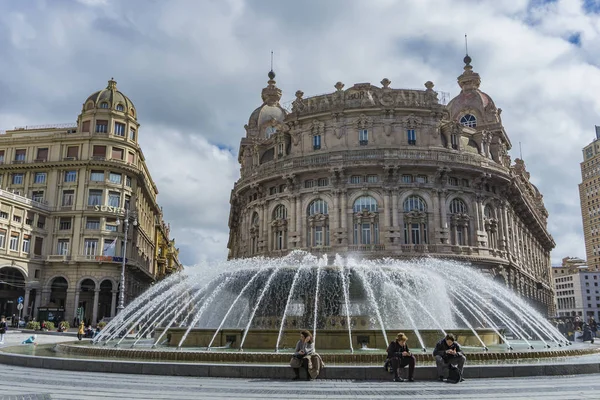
{"x":20,"y":299}
{"x":20,"y":306}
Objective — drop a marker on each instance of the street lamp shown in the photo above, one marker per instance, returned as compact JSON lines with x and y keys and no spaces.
{"x":128,"y":215}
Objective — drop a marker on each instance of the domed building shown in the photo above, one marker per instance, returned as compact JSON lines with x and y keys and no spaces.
{"x":372,"y":171}
{"x":67,"y":192}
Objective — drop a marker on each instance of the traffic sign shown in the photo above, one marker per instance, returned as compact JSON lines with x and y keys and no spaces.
{"x":20,"y":306}
{"x":20,"y":299}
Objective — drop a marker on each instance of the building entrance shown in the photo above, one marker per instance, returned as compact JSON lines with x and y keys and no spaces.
{"x":12,"y":286}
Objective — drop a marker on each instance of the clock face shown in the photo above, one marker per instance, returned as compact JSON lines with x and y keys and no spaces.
{"x":270,"y":131}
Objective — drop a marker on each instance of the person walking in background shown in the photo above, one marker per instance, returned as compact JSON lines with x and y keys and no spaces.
{"x":81,"y":330}
{"x":3,"y":328}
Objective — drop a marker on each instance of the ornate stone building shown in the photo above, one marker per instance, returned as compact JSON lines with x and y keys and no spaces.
{"x":65,"y":190}
{"x":382,"y":172}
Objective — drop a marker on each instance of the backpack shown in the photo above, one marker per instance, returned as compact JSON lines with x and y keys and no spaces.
{"x":454,"y":375}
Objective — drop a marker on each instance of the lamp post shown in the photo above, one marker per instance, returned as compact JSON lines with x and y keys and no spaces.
{"x":128,"y":215}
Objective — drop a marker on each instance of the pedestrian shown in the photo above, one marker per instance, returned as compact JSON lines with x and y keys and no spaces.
{"x":81,"y":330}
{"x":3,"y":328}
{"x":400,"y":356}
{"x":304,"y":347}
{"x":448,"y":352}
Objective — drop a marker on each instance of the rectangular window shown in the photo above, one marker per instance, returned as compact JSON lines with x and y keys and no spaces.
{"x":412,"y":136}
{"x":95,"y":197}
{"x":17,"y":218}
{"x":114,"y":199}
{"x":366,"y":234}
{"x":97,"y":176}
{"x":2,"y":239}
{"x":1,"y":156}
{"x":41,"y":221}
{"x":111,"y":224}
{"x":273,"y":190}
{"x":127,"y":202}
{"x":37,"y":196}
{"x":372,"y":178}
{"x":70,"y":176}
{"x":99,"y":151}
{"x":26,"y":243}
{"x":355,"y":179}
{"x":421,"y":179}
{"x":101,"y":126}
{"x":68,"y":197}
{"x":318,"y":236}
{"x":363,"y":137}
{"x":64,"y":224}
{"x":20,"y":155}
{"x":415,"y":233}
{"x":29,"y":218}
{"x":63,"y":247}
{"x":37,"y":246}
{"x":73,"y":152}
{"x":406,"y":178}
{"x":128,"y":181}
{"x":323,"y":182}
{"x":453,"y":181}
{"x":316,"y":142}
{"x":14,"y":241}
{"x":131,"y":134}
{"x":113,"y":177}
{"x":309,"y":183}
{"x":454,"y":141}
{"x":42,"y":154}
{"x":117,"y":153}
{"x":39,"y":177}
{"x":119,"y":129}
{"x":85,"y":127}
{"x":17,"y":179}
{"x":131,"y":156}
{"x":460,"y":239}
{"x":92,"y":223}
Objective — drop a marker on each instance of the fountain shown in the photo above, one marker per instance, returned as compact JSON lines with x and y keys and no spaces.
{"x":351,"y":306}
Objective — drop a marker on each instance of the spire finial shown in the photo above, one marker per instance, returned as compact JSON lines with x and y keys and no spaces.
{"x":467,"y":59}
{"x":271,"y":73}
{"x":112,"y":84}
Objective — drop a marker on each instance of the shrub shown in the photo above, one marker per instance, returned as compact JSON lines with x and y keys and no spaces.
{"x":65,"y":325}
{"x":101,"y":324}
{"x":49,"y":325}
{"x":33,"y":325}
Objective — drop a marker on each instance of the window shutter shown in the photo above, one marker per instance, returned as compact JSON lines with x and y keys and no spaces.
{"x":42,"y":154}
{"x":130,"y":157}
{"x":117,"y":153}
{"x":72,"y":151}
{"x":86,"y":126}
{"x":99,"y":151}
{"x":37,"y":247}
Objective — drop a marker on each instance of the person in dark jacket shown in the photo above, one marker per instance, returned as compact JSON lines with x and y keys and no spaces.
{"x":447,"y":351}
{"x":400,"y":356}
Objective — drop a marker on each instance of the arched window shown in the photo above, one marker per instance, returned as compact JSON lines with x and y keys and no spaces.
{"x":457,"y":206}
{"x":366,"y":221}
{"x":318,"y":207}
{"x":279,"y":227}
{"x":365,"y":203}
{"x":104,"y":105}
{"x":415,"y":203}
{"x":317,"y":227}
{"x":459,"y":222}
{"x":415,"y":221}
{"x":120,"y":107}
{"x":280,"y":212}
{"x":468,"y":120}
{"x":488,"y":212}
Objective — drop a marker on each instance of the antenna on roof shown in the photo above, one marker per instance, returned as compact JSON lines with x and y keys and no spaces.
{"x":466,"y":46}
{"x":520,"y":152}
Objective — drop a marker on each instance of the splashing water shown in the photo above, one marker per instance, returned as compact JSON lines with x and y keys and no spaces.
{"x":301,"y":291}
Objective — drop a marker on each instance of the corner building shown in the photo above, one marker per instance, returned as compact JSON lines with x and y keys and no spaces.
{"x":65,"y":192}
{"x":590,"y":201}
{"x":382,"y":172}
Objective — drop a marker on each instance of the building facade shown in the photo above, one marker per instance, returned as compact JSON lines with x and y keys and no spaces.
{"x":65,"y":192}
{"x":577,"y":289}
{"x":590,"y":200}
{"x":382,"y":172}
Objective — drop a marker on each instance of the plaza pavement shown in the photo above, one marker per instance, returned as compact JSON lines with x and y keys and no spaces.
{"x":33,"y":383}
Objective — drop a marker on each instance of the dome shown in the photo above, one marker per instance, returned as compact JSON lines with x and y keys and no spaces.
{"x":270,"y":110}
{"x":110,"y":98}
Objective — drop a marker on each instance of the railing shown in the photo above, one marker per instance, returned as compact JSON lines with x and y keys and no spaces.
{"x":24,"y":200}
{"x":49,"y":126}
{"x":58,"y":257}
{"x":367,"y":247}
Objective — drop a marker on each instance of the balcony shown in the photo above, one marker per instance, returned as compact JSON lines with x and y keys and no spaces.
{"x":24,"y":200}
{"x":40,"y":160}
{"x":18,"y":162}
{"x":363,"y":142}
{"x":99,"y":158}
{"x":366,"y":247}
{"x":58,"y":258}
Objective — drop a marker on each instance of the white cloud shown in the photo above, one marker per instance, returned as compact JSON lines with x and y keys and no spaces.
{"x":195,"y":71}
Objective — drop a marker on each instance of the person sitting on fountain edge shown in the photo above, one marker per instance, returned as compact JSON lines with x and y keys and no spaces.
{"x":447,"y":351}
{"x":304,"y":347}
{"x":400,"y":356}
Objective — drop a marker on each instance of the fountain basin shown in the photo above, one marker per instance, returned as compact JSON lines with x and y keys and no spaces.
{"x":328,"y":339}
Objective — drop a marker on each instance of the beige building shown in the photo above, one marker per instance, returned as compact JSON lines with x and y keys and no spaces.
{"x":381,"y":172}
{"x":577,"y":289}
{"x":590,"y":200}
{"x":64,"y":193}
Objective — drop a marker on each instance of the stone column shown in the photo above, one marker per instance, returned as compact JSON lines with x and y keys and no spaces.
{"x":26,"y":302}
{"x":36,"y":303}
{"x":292,"y":213}
{"x":299,"y":217}
{"x":395,"y":210}
{"x":442,"y":210}
{"x":344,"y":211}
{"x":95,"y":308}
{"x":386,"y":209}
{"x":437,"y":222}
{"x":77,"y":290}
{"x":113,"y":304}
{"x":336,"y":209}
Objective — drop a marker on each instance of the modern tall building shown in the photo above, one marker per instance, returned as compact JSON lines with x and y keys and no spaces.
{"x":375,"y":172}
{"x":65,"y":193}
{"x":590,"y":200}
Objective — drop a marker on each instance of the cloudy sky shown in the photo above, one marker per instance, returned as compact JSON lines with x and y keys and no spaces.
{"x":195,"y":69}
